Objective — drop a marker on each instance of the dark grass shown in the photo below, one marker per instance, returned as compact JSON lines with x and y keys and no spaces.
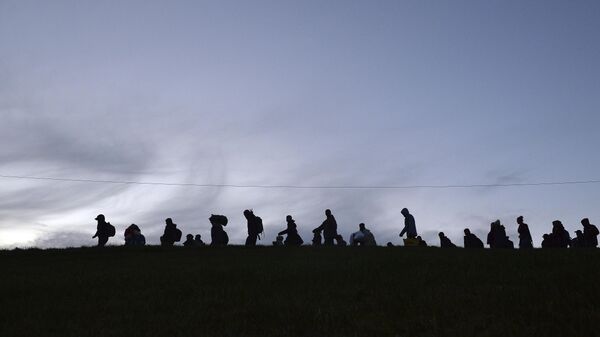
{"x":270,"y":291}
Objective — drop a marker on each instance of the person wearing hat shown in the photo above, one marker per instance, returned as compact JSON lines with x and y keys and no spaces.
{"x":101,"y":231}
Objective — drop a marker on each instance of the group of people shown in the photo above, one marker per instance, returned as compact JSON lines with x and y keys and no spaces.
{"x":327,"y":234}
{"x":558,"y":238}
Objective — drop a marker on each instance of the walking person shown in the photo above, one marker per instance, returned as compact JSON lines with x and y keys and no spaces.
{"x":292,"y":238}
{"x":255,"y":227}
{"x":329,"y":229}
{"x":525,"y":240}
{"x":410,"y":227}
{"x":104,"y":230}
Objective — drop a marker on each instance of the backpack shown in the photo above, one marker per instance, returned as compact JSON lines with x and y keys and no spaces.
{"x":110,"y":230}
{"x":177,"y":235}
{"x":259,"y":226}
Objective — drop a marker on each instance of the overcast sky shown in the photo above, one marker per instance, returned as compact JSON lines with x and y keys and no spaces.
{"x":316,"y":93}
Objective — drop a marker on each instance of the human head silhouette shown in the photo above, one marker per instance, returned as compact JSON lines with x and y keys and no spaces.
{"x":248,"y":213}
{"x":289,"y":218}
{"x":404,"y":212}
{"x":328,"y":212}
{"x":190,"y":237}
{"x":169,"y":221}
{"x":520,"y":220}
{"x":441,"y":234}
{"x":361,"y":226}
{"x":467,"y":231}
{"x":578,"y":233}
{"x":198,"y":237}
{"x":100,"y":217}
{"x":585,"y":221}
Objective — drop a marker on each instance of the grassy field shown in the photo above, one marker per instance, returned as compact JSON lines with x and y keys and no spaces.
{"x":270,"y":291}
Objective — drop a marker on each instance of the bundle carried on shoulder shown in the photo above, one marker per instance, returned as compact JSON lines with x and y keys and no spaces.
{"x":218,"y":219}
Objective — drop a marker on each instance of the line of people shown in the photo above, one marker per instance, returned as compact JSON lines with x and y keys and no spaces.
{"x":327,"y":234}
{"x":558,"y":238}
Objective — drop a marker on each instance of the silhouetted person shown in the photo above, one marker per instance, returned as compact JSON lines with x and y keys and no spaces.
{"x":491,"y":239}
{"x":410,"y":227}
{"x":278,"y":241}
{"x":590,"y":234}
{"x":171,"y":233}
{"x":198,"y":240}
{"x":255,"y":227}
{"x":363,"y":237}
{"x":133,"y":236}
{"x":547,"y":241}
{"x":104,"y":230}
{"x":579,"y":240}
{"x":218,"y":235}
{"x":329,"y":228}
{"x":445,"y":241}
{"x":497,"y":237}
{"x":189,"y":241}
{"x":292,"y":238}
{"x":471,"y":240}
{"x":422,"y":242}
{"x":317,"y":239}
{"x":525,"y":240}
{"x":340,"y":241}
{"x":560,"y":236}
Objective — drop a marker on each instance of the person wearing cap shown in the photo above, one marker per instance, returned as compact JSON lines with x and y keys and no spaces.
{"x":101,"y":231}
{"x":410,"y":227}
{"x":525,"y":240}
{"x":579,"y":240}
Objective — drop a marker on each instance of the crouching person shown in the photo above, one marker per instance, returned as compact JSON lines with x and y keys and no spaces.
{"x":363,"y":237}
{"x":445,"y":241}
{"x":134,"y":237}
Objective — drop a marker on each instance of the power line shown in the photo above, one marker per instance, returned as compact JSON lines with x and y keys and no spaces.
{"x":122,"y":182}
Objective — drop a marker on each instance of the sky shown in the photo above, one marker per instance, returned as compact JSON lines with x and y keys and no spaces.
{"x":304,"y":93}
